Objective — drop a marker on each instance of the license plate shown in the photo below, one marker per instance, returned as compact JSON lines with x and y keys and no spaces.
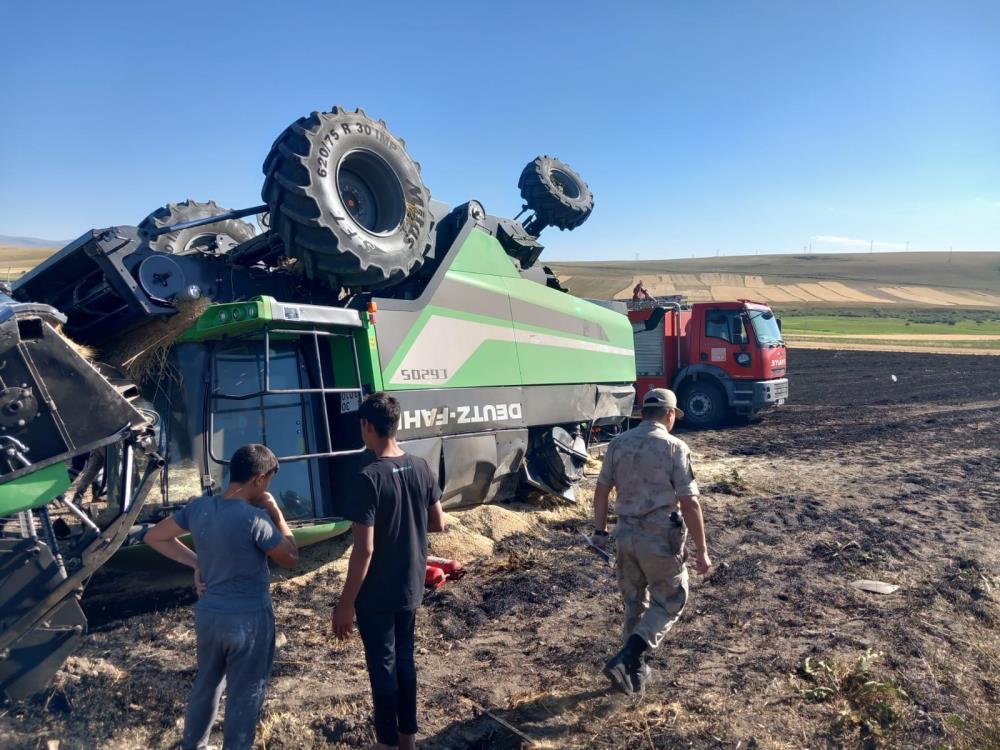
{"x":349,"y":402}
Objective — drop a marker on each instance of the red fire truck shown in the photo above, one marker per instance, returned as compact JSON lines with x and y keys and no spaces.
{"x":720,"y":358}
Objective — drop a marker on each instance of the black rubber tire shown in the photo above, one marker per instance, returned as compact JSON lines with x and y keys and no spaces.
{"x":557,"y":194}
{"x":556,"y":467}
{"x":704,"y":405}
{"x":308,"y":210}
{"x":193,"y":239}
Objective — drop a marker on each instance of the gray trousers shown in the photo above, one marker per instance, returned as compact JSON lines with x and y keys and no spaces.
{"x":235,"y":651}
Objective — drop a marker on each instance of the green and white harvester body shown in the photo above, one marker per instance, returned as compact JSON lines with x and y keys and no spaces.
{"x":153,"y":352}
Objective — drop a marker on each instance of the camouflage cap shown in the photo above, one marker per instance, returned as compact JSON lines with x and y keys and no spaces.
{"x":662,"y":397}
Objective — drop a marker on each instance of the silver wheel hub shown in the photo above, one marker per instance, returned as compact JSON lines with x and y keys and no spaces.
{"x":699,"y":405}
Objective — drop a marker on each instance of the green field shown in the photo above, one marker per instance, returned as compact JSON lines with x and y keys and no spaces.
{"x":848,"y":326}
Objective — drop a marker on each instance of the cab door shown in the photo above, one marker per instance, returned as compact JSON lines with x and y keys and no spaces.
{"x":725,"y":339}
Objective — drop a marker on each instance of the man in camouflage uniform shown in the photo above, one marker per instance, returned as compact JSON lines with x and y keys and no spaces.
{"x":657,"y":502}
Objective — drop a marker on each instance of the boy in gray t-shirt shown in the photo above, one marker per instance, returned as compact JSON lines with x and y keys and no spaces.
{"x":234,"y":535}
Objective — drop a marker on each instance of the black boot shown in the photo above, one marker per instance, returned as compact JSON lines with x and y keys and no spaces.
{"x":640,"y":677}
{"x":625,"y":663}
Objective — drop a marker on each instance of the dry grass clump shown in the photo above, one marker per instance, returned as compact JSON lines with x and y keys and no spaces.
{"x":458,"y":542}
{"x":87,"y":352}
{"x":496,"y":522}
{"x":625,"y":723}
{"x":869,"y":705}
{"x":649,"y":724}
{"x":142,"y":352}
{"x":733,"y":483}
{"x":974,"y":733}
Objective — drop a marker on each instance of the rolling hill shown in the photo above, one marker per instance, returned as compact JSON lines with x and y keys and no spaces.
{"x":7,"y":240}
{"x":861,"y":280}
{"x":802,"y":282}
{"x":15,"y":261}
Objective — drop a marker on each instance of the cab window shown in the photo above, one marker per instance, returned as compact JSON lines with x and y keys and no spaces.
{"x":243,"y":413}
{"x":726,"y":325}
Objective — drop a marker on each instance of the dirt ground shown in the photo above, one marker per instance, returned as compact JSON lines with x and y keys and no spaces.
{"x":853,"y":343}
{"x":858,"y":477}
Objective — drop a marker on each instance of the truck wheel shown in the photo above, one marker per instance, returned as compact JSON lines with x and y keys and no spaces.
{"x":558,"y":195}
{"x":704,"y":405}
{"x":218,"y":237}
{"x":347,"y":200}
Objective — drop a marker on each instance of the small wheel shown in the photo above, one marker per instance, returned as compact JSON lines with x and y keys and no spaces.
{"x":218,"y":237}
{"x":704,"y":405}
{"x":558,"y":195}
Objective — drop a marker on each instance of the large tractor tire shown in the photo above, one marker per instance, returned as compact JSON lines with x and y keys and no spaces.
{"x":704,"y":405}
{"x":347,"y":200}
{"x":558,"y":196}
{"x":218,"y":237}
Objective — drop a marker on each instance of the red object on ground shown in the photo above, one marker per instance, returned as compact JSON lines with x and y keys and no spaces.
{"x":434,"y":578}
{"x":451,"y":568}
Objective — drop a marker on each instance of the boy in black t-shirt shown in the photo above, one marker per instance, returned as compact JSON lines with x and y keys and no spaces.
{"x":395,"y":502}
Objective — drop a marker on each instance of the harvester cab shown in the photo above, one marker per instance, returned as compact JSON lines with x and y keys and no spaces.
{"x":358,"y":283}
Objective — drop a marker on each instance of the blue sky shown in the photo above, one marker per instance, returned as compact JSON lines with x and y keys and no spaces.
{"x":702,"y":127}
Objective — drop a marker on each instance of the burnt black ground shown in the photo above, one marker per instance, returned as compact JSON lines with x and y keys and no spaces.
{"x":858,"y":476}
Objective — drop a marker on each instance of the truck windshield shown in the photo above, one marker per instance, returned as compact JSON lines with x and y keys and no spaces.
{"x":765,"y":327}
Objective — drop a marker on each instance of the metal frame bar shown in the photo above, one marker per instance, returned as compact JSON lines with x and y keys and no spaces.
{"x":80,"y":515}
{"x":94,"y":556}
{"x":27,"y":522}
{"x":237,"y":214}
{"x":76,"y":450}
{"x":50,"y":539}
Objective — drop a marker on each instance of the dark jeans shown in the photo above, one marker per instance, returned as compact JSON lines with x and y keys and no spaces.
{"x":235,"y":651}
{"x":388,"y":640}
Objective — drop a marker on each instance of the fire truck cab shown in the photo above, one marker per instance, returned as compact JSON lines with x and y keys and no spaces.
{"x":720,"y":358}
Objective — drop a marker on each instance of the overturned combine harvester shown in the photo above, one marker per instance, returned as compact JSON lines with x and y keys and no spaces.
{"x":215,"y":336}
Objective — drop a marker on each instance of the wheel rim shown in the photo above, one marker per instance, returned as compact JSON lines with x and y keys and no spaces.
{"x":699,"y":405}
{"x":371,"y":192}
{"x":204,"y":242}
{"x":565,"y":184}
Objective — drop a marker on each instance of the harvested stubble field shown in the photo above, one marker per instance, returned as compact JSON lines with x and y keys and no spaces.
{"x":841,"y":280}
{"x":859,"y":477}
{"x":15,"y":261}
